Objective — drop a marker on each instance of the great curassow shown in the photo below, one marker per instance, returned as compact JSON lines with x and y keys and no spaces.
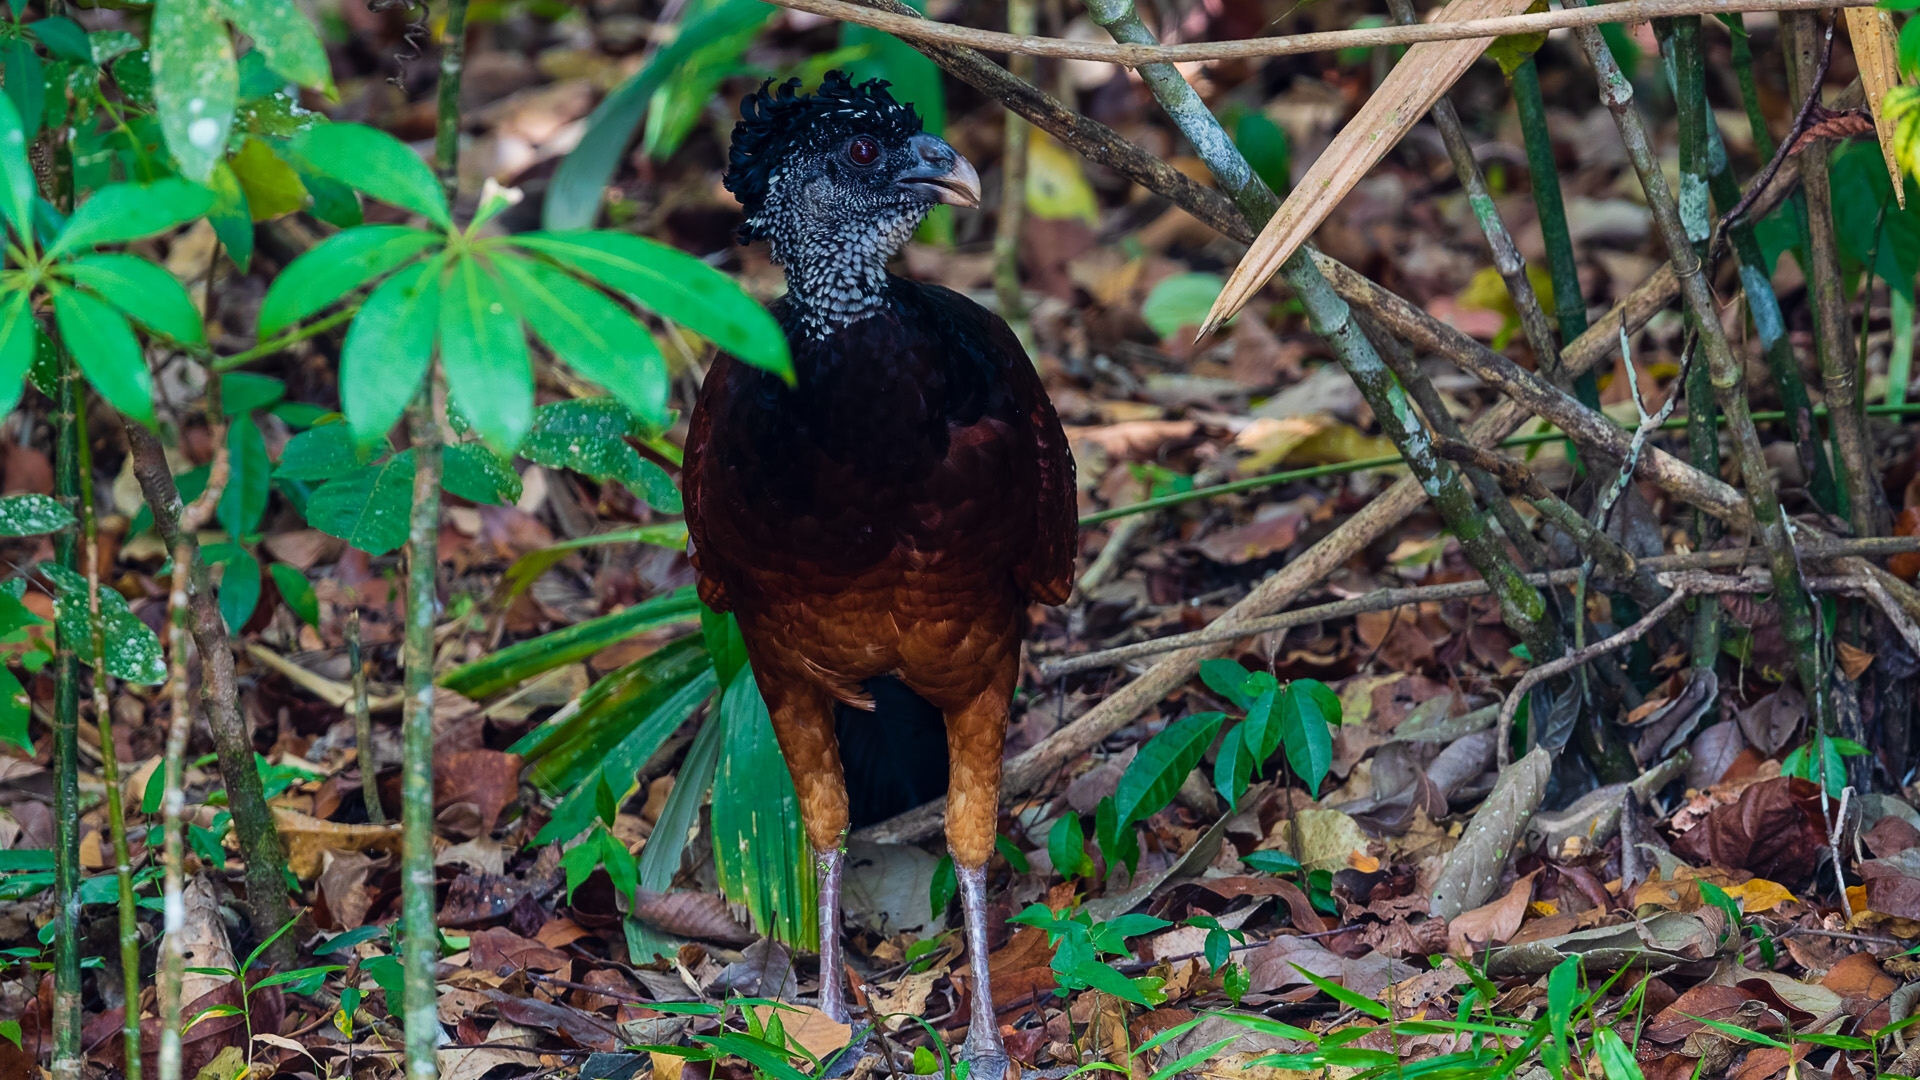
{"x":879,"y":527}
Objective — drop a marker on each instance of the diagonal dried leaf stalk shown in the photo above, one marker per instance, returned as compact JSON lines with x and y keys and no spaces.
{"x":1873,"y":37}
{"x":1425,"y":73}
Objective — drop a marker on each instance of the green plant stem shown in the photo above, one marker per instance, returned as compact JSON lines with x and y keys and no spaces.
{"x":363,"y":724}
{"x":173,"y":807}
{"x":110,"y":758}
{"x":1022,"y":18}
{"x":1725,"y":369}
{"x":1521,"y":605}
{"x":1839,"y":372}
{"x":279,"y":344}
{"x":453,"y":58}
{"x":1569,"y":306}
{"x":419,"y":936}
{"x":1900,"y":356}
{"x":67,"y":1060}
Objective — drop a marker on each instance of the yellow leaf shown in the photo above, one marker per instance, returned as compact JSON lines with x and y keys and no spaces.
{"x":1271,"y":440}
{"x":272,"y":187}
{"x":1759,"y":896}
{"x":1340,"y":442}
{"x":1873,"y":48}
{"x":1057,"y":187}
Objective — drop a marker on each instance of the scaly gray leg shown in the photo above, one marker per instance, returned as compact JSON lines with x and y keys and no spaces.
{"x":984,"y":1048}
{"x":833,"y":977}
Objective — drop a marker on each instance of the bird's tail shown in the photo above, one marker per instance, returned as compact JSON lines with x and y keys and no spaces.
{"x":895,"y":757}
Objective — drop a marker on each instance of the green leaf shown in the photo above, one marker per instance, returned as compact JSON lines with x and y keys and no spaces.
{"x":588,"y":435}
{"x":33,"y":515}
{"x":525,"y":659}
{"x":1267,"y":148}
{"x":367,"y":507}
{"x":1157,"y":771}
{"x":673,"y":285}
{"x":320,"y":453}
{"x":1376,"y":1009}
{"x":1261,"y":732}
{"x":16,"y":709}
{"x":388,"y":350}
{"x":1067,"y":847}
{"x":297,"y":591}
{"x":1272,"y":862}
{"x":374,"y":162}
{"x":239,"y":588}
{"x":484,"y":353}
{"x":64,"y":38}
{"x":10,"y":1031}
{"x":1616,"y":1058}
{"x":242,"y":392}
{"x":195,"y":83}
{"x":283,"y":35}
{"x":348,"y":939}
{"x":106,"y":350}
{"x":17,"y":186}
{"x":1016,"y":859}
{"x":528,"y":567}
{"x":19,"y":337}
{"x":573,"y":196}
{"x":660,"y":859}
{"x":1303,"y":729}
{"x":387,"y":973}
{"x":1181,"y":300}
{"x":1563,"y":990}
{"x":1119,"y":841}
{"x":1100,"y":977}
{"x":338,"y":265}
{"x":147,"y":293}
{"x":594,"y":335}
{"x":26,"y":84}
{"x":760,"y":851}
{"x":1321,"y":695}
{"x":620,"y":865}
{"x":1228,"y":679}
{"x":123,"y":212}
{"x":280,"y":978}
{"x":245,"y":499}
{"x":132,"y":648}
{"x":210,"y":1012}
{"x":474,"y":472}
{"x":941,"y":890}
{"x":230,"y":216}
{"x":579,"y":862}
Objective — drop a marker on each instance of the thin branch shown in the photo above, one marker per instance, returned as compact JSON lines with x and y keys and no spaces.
{"x":1132,"y":55}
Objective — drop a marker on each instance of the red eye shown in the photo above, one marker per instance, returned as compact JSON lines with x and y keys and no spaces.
{"x":863,"y":151}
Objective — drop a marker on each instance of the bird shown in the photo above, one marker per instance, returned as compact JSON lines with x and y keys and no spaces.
{"x":881,"y":525}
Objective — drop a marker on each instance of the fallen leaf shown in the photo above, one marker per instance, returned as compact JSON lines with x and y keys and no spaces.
{"x":691,"y":914}
{"x":343,"y":886}
{"x":1772,"y":831}
{"x":886,"y":889}
{"x":1769,"y":724}
{"x":1327,"y":838}
{"x":1853,"y":662}
{"x":308,"y":838}
{"x":1473,"y":868}
{"x":489,"y":779}
{"x":905,"y":999}
{"x":1271,"y":966}
{"x":1490,"y":924}
{"x":809,"y":1027}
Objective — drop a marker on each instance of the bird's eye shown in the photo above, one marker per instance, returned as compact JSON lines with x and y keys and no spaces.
{"x":863,"y":151}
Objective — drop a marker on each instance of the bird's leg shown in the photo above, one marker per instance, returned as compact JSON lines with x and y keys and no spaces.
{"x":984,"y":1048}
{"x":829,"y":865}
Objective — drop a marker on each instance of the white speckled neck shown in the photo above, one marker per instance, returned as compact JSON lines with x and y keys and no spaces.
{"x":836,"y":254}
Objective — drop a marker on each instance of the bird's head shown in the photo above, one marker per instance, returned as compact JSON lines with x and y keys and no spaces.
{"x":838,"y":180}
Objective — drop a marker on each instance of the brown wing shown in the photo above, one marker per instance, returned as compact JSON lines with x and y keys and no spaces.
{"x":1046,"y":575}
{"x":699,"y":435}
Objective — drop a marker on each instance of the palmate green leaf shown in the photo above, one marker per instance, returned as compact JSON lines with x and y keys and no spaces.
{"x":33,"y":515}
{"x":17,"y":187}
{"x":388,"y":349}
{"x":474,"y":472}
{"x":760,"y":851}
{"x":19,"y":336}
{"x":588,"y":435}
{"x":1157,"y":771}
{"x":132,"y":648}
{"x":367,"y":507}
{"x":673,"y":285}
{"x":195,"y":83}
{"x":106,"y":350}
{"x":244,"y":500}
{"x":484,"y":354}
{"x":285,"y":38}
{"x":144,"y":292}
{"x":660,"y":859}
{"x":376,"y":163}
{"x":297,"y":591}
{"x":16,"y":709}
{"x":119,"y":213}
{"x":595,"y":336}
{"x":338,"y":265}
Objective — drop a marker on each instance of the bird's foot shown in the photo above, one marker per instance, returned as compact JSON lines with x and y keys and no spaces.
{"x":986,"y":1057}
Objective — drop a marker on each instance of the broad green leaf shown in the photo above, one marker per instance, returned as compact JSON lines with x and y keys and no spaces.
{"x":297,"y":591}
{"x":19,"y":337}
{"x":1157,"y":771}
{"x":16,"y":709}
{"x":484,"y":354}
{"x":107,"y":352}
{"x":525,"y":659}
{"x":1119,"y":841}
{"x":242,"y":392}
{"x":941,"y":890}
{"x":673,"y":285}
{"x":760,"y":851}
{"x":230,"y":216}
{"x":245,"y":498}
{"x":132,"y":648}
{"x":239,"y":588}
{"x":14,"y":615}
{"x":588,"y":435}
{"x":1304,"y":731}
{"x":594,"y":335}
{"x":111,"y":45}
{"x":1616,"y":1058}
{"x":1261,"y":732}
{"x":195,"y":83}
{"x":1067,"y":847}
{"x":375,"y":162}
{"x":32,"y":515}
{"x":660,"y":859}
{"x":1272,"y":862}
{"x":320,"y":454}
{"x":272,"y":186}
{"x":1321,"y":695}
{"x":338,"y":265}
{"x":1181,"y":300}
{"x":26,"y":84}
{"x":1233,"y":768}
{"x":388,"y":349}
{"x":1108,"y":981}
{"x":367,"y":507}
{"x":64,"y":38}
{"x":10,"y":1031}
{"x":474,"y":472}
{"x":122,"y":212}
{"x":286,"y":39}
{"x":1180,"y":1065}
{"x":146,"y":293}
{"x":678,"y":107}
{"x":17,"y":186}
{"x":1228,"y":679}
{"x":1267,"y":148}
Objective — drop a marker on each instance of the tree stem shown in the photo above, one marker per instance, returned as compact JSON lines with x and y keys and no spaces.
{"x":67,"y":1059}
{"x":363,"y":724}
{"x":173,"y":805}
{"x":419,"y":937}
{"x":453,"y":58}
{"x":1022,"y":16}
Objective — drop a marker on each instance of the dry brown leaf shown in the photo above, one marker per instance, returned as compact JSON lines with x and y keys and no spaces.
{"x":905,"y":999}
{"x":1873,"y":49}
{"x":1425,"y":72}
{"x":205,"y":936}
{"x":1854,"y":662}
{"x":809,"y":1027}
{"x":1474,"y":866}
{"x":308,"y":838}
{"x":1491,"y":924}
